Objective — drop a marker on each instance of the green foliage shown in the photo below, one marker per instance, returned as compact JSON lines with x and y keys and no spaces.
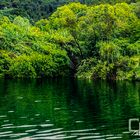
{"x":22,"y":68}
{"x":40,"y":9}
{"x":42,"y":24}
{"x":134,"y":49}
{"x":112,"y":40}
{"x":38,"y":65}
{"x":85,"y":68}
{"x":109,"y":52}
{"x":99,"y":41}
{"x":5,"y":61}
{"x":27,"y":53}
{"x":128,"y":68}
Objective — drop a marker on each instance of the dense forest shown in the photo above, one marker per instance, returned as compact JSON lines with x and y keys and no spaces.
{"x":35,"y":10}
{"x":88,"y":39}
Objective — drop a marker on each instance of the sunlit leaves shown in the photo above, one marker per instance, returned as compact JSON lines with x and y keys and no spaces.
{"x":109,"y":52}
{"x":33,"y":54}
{"x":101,"y":40}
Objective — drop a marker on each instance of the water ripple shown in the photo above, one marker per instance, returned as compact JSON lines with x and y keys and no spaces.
{"x":3,"y":116}
{"x":91,"y":137}
{"x":83,"y":130}
{"x":31,"y":130}
{"x":50,"y":130}
{"x":8,"y":132}
{"x":46,"y":125}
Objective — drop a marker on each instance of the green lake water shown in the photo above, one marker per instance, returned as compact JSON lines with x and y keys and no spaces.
{"x":67,"y":109}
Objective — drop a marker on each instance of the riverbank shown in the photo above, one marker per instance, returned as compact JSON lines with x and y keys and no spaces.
{"x":97,"y":42}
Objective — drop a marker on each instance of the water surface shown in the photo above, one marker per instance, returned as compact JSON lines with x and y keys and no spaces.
{"x":67,"y":109}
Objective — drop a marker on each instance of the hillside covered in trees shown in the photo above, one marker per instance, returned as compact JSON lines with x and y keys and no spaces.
{"x":38,"y":9}
{"x":94,"y":40}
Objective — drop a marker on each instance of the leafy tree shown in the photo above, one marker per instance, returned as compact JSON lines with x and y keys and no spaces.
{"x":98,"y":41}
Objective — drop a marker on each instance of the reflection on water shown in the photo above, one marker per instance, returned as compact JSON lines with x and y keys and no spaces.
{"x":67,"y":109}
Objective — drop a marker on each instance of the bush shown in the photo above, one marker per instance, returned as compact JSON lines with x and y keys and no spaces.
{"x":22,"y":68}
{"x":5,"y":61}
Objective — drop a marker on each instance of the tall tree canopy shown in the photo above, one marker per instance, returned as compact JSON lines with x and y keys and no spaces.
{"x":38,"y":9}
{"x":97,"y":41}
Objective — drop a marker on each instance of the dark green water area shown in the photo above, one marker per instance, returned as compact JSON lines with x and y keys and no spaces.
{"x":57,"y":109}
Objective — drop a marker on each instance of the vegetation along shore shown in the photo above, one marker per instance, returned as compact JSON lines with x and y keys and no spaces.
{"x":91,"y":39}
